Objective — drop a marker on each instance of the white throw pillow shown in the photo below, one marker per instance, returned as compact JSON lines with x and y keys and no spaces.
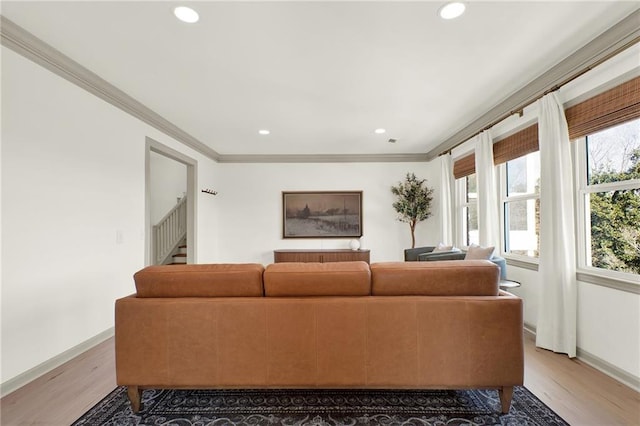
{"x":479,"y":253}
{"x":442,"y":247}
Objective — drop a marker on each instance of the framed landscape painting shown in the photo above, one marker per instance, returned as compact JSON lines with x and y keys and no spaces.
{"x":326,"y":214}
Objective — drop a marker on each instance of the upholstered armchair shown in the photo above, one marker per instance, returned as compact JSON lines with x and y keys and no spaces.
{"x":411,"y":255}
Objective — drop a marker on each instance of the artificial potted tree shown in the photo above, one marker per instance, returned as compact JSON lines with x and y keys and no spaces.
{"x":413,"y":202}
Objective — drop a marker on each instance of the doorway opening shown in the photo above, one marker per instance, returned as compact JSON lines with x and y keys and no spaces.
{"x":170,"y":205}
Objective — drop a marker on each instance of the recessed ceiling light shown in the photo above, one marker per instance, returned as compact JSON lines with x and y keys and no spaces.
{"x":379,"y":131}
{"x":186,"y":14}
{"x":452,"y":10}
{"x":264,"y":132}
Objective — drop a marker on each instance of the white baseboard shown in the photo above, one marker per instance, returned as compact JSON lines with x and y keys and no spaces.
{"x":42,"y":369}
{"x":609,"y":369}
{"x":599,"y":364}
{"x":531,"y":329}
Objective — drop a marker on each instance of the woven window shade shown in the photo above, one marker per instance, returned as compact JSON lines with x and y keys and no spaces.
{"x":615,"y":106}
{"x":465,"y":166}
{"x":522,"y":143}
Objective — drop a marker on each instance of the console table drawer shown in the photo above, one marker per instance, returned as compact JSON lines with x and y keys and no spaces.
{"x":321,"y":256}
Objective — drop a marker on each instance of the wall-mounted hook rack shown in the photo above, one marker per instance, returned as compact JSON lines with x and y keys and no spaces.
{"x":210,"y":191}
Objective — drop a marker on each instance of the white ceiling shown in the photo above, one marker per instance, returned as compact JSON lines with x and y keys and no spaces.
{"x":321,"y":76}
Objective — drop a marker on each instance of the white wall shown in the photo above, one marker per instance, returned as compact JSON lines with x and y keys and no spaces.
{"x":608,"y":322}
{"x":73,"y":213}
{"x":609,"y":328}
{"x":168,"y":183}
{"x":251,"y":207}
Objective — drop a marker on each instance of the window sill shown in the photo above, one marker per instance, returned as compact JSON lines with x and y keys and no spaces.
{"x":522,"y":262}
{"x":622,"y":284}
{"x":585,"y":275}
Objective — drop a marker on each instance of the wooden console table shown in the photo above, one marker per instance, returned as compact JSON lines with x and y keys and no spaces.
{"x":321,"y":256}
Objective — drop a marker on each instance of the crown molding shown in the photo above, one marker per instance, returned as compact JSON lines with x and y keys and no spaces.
{"x":26,"y":44}
{"x":324,"y":158}
{"x":619,"y":37}
{"x":616,"y":39}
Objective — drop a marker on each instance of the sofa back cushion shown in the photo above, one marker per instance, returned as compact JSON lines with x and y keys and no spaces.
{"x":439,"y":278}
{"x":317,"y":279}
{"x":210,"y":280}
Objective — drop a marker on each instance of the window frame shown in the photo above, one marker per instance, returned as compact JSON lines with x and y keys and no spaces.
{"x":461,"y":231}
{"x":504,"y":199}
{"x":583,"y":216}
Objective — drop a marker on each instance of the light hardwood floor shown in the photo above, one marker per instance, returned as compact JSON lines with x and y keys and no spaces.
{"x":577,"y":392}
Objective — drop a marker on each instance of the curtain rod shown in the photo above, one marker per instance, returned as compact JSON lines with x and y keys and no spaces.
{"x":610,"y":43}
{"x":520,"y":109}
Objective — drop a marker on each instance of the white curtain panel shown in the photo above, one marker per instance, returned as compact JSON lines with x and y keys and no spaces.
{"x":446,"y":198}
{"x":556,"y":328}
{"x":487,"y":192}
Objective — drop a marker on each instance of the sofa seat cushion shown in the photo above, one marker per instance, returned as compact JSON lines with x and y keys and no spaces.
{"x":317,"y":279}
{"x":208,"y":280}
{"x":438,"y":278}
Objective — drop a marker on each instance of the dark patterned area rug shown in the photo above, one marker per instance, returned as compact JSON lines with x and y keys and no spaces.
{"x":320,"y":408}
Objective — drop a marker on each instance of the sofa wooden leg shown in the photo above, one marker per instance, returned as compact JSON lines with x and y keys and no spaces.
{"x":505,"y":392}
{"x":135,"y":396}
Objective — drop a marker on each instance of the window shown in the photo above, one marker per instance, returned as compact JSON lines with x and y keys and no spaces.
{"x":468,"y":210}
{"x":609,"y":198}
{"x":466,"y":222}
{"x":520,"y":189}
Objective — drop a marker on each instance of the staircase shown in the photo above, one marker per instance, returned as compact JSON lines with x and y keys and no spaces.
{"x":169,"y":236}
{"x":180,"y":257}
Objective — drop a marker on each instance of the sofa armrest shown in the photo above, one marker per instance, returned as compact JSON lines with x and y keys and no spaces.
{"x":442,"y":255}
{"x":411,"y":255}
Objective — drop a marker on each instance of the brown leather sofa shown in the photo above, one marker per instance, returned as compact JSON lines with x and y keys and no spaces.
{"x":397,"y":325}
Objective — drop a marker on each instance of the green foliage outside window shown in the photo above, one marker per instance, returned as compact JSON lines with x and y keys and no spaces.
{"x":615,"y":221}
